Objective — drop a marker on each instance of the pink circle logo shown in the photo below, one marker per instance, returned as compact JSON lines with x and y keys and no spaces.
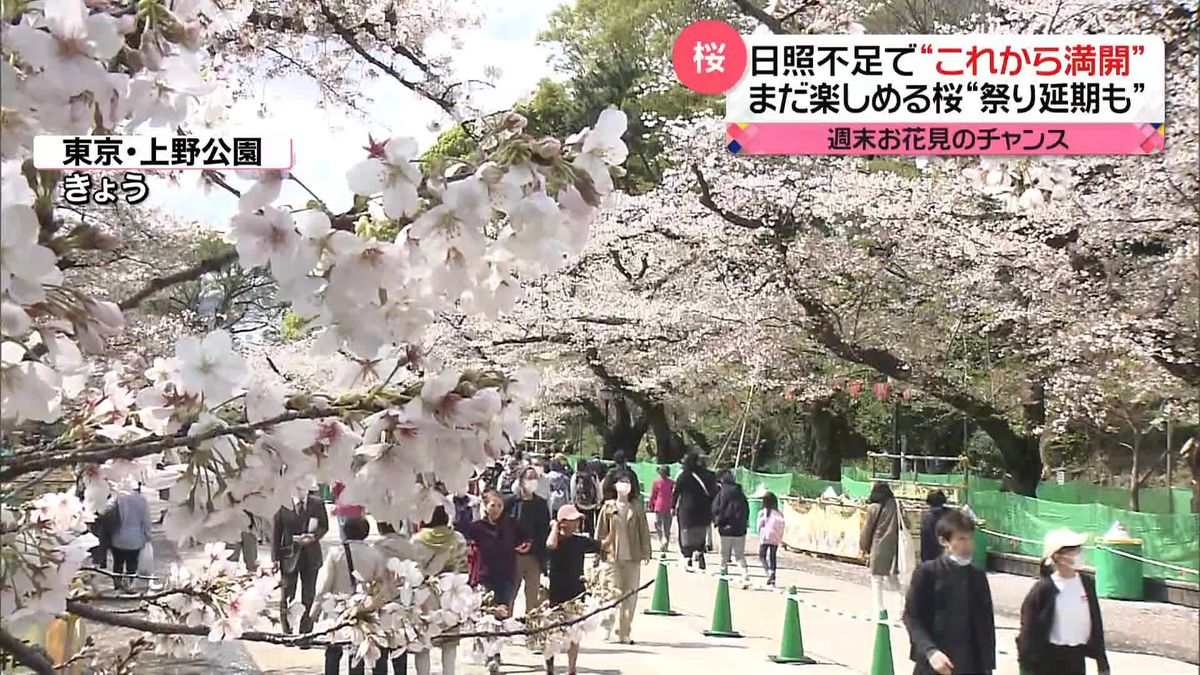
{"x":709,"y":57}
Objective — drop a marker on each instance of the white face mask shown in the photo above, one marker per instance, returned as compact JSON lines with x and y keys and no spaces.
{"x":958,"y":560}
{"x":530,"y":484}
{"x":1074,"y":560}
{"x":623,"y":489}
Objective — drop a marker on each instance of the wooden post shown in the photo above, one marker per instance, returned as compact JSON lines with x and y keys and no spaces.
{"x":1170,"y":483}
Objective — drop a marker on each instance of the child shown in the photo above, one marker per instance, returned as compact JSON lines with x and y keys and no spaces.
{"x":566,"y":548}
{"x":662,"y":497}
{"x":771,"y":527}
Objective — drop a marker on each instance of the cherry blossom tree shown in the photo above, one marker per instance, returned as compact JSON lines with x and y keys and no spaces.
{"x":222,"y":438}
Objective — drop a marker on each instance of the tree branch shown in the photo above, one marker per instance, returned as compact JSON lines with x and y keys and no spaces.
{"x":751,"y":9}
{"x":157,"y":284}
{"x":19,"y":464}
{"x":351,"y":40}
{"x":706,"y":199}
{"x":28,"y":655}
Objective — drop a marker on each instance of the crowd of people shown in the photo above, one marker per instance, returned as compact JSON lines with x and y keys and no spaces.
{"x":528,"y":523}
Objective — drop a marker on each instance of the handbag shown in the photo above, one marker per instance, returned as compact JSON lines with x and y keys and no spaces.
{"x":906,"y":550}
{"x":474,"y":564}
{"x":145,"y":564}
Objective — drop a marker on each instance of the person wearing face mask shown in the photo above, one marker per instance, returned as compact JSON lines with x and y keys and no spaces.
{"x":948,"y":610}
{"x":1060,"y":617}
{"x":532,"y":515}
{"x":625,"y":531}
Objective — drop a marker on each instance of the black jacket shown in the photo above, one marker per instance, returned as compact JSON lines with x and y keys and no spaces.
{"x":289,"y":523}
{"x":731,"y":510}
{"x":693,"y":499}
{"x":1037,"y":617}
{"x":931,"y":548}
{"x":532,"y":518}
{"x":956,"y":619}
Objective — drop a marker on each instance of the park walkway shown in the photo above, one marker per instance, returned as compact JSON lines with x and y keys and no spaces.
{"x":833,"y":593}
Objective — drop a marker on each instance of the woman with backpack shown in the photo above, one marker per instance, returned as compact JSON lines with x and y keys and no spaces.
{"x":337,"y":575}
{"x":585,"y":492}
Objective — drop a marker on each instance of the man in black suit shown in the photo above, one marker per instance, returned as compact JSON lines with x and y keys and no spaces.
{"x":296,"y":551}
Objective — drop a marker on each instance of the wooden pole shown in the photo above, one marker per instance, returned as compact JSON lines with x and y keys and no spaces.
{"x":1170,"y":483}
{"x":742,"y":436}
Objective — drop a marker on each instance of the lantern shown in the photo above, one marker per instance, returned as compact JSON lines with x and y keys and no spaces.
{"x":881,"y":390}
{"x":854,"y":387}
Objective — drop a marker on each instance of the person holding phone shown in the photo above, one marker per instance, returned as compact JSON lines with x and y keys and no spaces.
{"x":566,"y":550}
{"x":296,"y":552}
{"x":532,"y":515}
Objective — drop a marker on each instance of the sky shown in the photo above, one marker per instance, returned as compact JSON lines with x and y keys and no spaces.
{"x":327,"y":142}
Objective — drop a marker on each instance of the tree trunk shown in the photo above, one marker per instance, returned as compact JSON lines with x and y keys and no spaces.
{"x":826,"y":458}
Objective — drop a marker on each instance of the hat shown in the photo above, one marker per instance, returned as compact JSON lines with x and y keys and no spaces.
{"x":569,"y":512}
{"x":1056,"y":540}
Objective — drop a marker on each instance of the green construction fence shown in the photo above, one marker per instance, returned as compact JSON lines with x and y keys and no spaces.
{"x":1170,"y":531}
{"x":1167,"y":538}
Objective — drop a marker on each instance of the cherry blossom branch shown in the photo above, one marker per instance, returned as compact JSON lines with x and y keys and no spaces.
{"x":28,"y":655}
{"x":93,"y":613}
{"x":352,"y":41}
{"x":23,"y":463}
{"x":750,"y":8}
{"x":566,"y":623}
{"x":206,"y":266}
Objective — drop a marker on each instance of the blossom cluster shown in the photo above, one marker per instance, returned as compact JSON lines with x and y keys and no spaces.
{"x":224,"y":443}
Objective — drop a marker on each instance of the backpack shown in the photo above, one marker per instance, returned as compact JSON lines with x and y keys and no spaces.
{"x":585,"y":490}
{"x":559,"y":487}
{"x":110,"y":521}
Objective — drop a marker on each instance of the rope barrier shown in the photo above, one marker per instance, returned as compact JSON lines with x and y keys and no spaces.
{"x":828,"y":610}
{"x":1177,"y":568}
{"x":1169,"y":566}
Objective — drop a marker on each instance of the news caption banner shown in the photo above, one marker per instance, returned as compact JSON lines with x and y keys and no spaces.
{"x":930,"y":94}
{"x":129,"y":157}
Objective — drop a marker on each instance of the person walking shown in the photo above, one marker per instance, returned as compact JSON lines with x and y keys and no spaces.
{"x":693,"y":507}
{"x":104,"y":527}
{"x":532,"y":516}
{"x":559,"y":483}
{"x":566,"y":549}
{"x":246,"y":547}
{"x":1061,"y":624}
{"x":497,"y":544}
{"x":131,"y":534}
{"x":344,"y":510}
{"x":662,"y":503}
{"x":880,"y":542}
{"x":393,"y":544}
{"x":621,"y":468}
{"x":948,"y":609}
{"x":710,"y":479}
{"x":585,"y":493}
{"x":930,"y":548}
{"x":731,"y":515}
{"x":626,"y":533}
{"x":771,"y":528}
{"x":438,"y":549}
{"x":509,"y":477}
{"x":296,"y":552}
{"x":339,"y":573}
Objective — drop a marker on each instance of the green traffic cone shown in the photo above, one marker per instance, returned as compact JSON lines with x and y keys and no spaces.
{"x":881,"y":661}
{"x":660,"y":605}
{"x":791,"y":647}
{"x":722,"y":620}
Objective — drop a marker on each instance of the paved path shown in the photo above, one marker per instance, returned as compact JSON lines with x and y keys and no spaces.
{"x":675,"y":645}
